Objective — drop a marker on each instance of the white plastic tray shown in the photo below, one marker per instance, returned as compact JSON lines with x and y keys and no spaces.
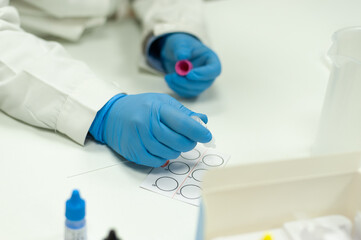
{"x":257,"y":197}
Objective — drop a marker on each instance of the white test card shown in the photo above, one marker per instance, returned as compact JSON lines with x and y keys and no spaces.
{"x":181,"y":178}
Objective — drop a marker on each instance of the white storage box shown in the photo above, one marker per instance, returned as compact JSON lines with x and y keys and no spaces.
{"x":262,"y":196}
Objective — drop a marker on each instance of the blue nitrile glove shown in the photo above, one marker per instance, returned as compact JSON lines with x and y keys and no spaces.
{"x":206,"y":65}
{"x":148,"y":128}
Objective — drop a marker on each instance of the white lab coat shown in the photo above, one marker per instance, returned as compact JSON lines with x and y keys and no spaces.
{"x":40,"y":84}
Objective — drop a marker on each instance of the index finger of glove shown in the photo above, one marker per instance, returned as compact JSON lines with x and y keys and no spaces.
{"x":183,"y":124}
{"x":187,"y":111}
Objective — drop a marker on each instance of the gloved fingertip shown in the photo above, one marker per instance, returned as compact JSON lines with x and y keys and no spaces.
{"x":206,"y":138}
{"x":160,"y":164}
{"x":195,"y":75}
{"x":203,"y":117}
{"x":209,"y":136}
{"x":192,"y":75}
{"x":183,"y":54}
{"x":170,"y":77}
{"x":165,"y":164}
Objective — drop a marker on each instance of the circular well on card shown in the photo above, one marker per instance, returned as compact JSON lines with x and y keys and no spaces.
{"x":191,"y":155}
{"x":191,"y":191}
{"x":179,"y":168}
{"x":213,"y":160}
{"x":166,"y":184}
{"x":198,"y":174}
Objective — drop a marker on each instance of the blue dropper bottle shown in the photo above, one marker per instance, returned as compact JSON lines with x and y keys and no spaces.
{"x":75,"y":225}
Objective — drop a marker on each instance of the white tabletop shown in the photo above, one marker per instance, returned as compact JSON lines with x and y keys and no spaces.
{"x":265,"y":106}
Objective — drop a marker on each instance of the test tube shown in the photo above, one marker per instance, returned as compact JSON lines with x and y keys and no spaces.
{"x":183,"y":67}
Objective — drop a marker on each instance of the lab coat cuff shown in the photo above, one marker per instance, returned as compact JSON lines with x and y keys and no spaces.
{"x":81,"y":107}
{"x":166,"y":28}
{"x":153,"y":61}
{"x":97,"y":127}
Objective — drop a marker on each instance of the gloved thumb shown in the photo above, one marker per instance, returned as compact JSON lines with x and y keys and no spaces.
{"x":202,"y":116}
{"x":182,"y":53}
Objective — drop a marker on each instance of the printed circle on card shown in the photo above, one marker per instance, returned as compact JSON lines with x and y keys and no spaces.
{"x":213,"y":160}
{"x":167,"y":184}
{"x":191,"y":191}
{"x":191,"y":155}
{"x":198,"y":174}
{"x":179,"y":168}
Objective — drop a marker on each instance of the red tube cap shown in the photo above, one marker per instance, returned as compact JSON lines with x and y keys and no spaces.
{"x":183,"y":67}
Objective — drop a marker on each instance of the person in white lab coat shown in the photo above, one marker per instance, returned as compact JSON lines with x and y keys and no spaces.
{"x":42,"y":85}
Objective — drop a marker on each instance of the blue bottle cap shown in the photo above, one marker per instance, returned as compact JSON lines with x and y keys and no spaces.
{"x":75,"y":207}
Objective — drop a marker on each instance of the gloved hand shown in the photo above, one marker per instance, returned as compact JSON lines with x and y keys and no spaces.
{"x":206,"y":65}
{"x":149,"y":128}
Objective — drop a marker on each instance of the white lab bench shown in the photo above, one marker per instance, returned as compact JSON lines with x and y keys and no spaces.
{"x":264,"y":106}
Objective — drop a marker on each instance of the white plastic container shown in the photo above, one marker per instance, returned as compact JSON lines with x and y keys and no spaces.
{"x":263,"y":196}
{"x":340,"y":124}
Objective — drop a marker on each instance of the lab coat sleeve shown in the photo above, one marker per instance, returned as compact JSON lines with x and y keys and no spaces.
{"x":160,"y":17}
{"x":40,"y":84}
